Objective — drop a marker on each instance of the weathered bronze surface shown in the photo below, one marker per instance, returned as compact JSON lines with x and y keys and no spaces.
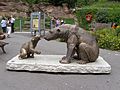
{"x":2,"y":36}
{"x":28,"y":49}
{"x":2,"y":44}
{"x":81,"y":45}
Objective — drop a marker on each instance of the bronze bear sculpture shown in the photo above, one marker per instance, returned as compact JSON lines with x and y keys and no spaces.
{"x":2,"y":36}
{"x":2,"y":44}
{"x":28,"y":49}
{"x":81,"y":45}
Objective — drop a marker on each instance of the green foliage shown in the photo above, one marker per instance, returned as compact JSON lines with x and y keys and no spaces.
{"x":71,"y":3}
{"x":102,"y":12}
{"x":102,"y":16}
{"x":81,"y":16}
{"x":112,"y":10}
{"x":17,"y":23}
{"x":47,"y":23}
{"x":31,"y":1}
{"x":81,"y":3}
{"x":69,"y":21}
{"x":56,"y":2}
{"x":117,"y":31}
{"x":113,"y":0}
{"x":107,"y":39}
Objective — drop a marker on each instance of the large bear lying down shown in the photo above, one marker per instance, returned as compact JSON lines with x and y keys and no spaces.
{"x":79,"y":42}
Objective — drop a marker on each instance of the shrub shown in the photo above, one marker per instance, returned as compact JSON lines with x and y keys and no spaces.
{"x":85,"y":2}
{"x":102,"y":12}
{"x":56,"y":2}
{"x":71,"y":3}
{"x":113,"y":0}
{"x":69,"y":21}
{"x":117,"y":31}
{"x":107,"y":39}
{"x":81,"y":16}
{"x":102,"y":16}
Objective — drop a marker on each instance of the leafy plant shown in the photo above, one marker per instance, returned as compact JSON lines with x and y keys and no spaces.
{"x":113,"y":0}
{"x":81,"y":16}
{"x":117,"y":31}
{"x":81,"y":3}
{"x":71,"y":3}
{"x":102,"y":16}
{"x":107,"y":39}
{"x":102,"y":12}
{"x":69,"y":21}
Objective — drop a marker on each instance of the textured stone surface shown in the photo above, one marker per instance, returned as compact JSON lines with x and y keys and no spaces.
{"x":50,"y":63}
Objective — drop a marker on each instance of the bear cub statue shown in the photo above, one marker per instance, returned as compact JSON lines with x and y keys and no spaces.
{"x":28,"y":49}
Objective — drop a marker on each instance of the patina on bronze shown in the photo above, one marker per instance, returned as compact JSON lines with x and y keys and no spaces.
{"x":2,"y":36}
{"x":79,"y":42}
{"x":28,"y":49}
{"x":2,"y":44}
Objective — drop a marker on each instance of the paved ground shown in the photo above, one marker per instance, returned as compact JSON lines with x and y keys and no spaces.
{"x":11,"y":80}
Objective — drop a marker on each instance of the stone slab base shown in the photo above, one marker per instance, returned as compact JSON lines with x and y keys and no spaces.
{"x":50,"y":63}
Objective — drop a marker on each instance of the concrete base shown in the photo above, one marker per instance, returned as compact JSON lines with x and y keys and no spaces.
{"x":50,"y":63}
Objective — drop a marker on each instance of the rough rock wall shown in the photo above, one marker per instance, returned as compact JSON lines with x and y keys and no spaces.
{"x":11,"y":7}
{"x":8,"y":0}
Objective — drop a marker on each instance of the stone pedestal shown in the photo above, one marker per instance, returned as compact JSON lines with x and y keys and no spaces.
{"x":50,"y":63}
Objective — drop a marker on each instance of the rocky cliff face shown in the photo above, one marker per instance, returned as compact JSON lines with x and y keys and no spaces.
{"x":7,"y":0}
{"x":11,"y":7}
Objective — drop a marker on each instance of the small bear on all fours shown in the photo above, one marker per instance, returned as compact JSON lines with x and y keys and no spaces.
{"x":28,"y":49}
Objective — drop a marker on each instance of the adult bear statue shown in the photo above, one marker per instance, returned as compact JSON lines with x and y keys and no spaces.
{"x":78,"y":41}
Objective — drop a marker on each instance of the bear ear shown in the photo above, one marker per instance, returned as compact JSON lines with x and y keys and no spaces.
{"x":51,"y":31}
{"x":32,"y":39}
{"x":58,"y":30}
{"x":38,"y":36}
